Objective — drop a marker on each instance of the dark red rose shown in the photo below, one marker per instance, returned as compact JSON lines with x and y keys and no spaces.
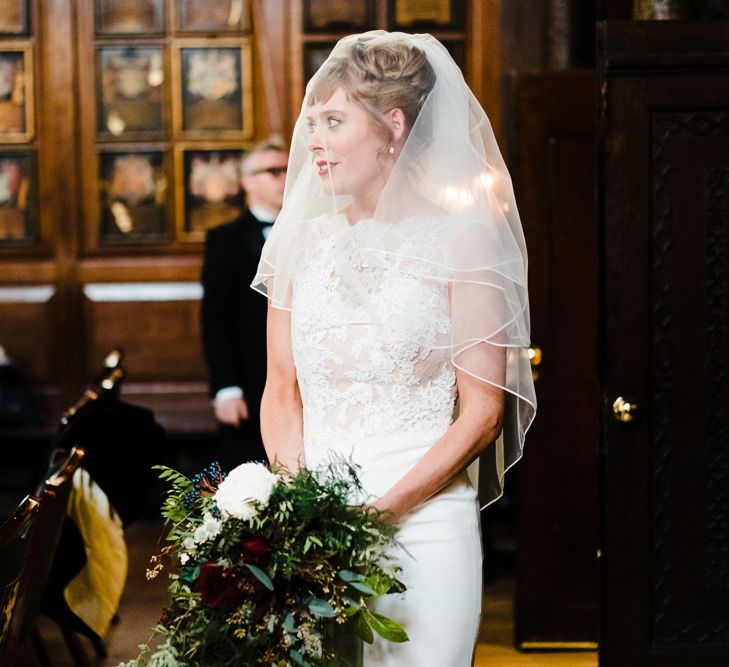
{"x":169,"y":614}
{"x":219,"y":587}
{"x":254,"y":549}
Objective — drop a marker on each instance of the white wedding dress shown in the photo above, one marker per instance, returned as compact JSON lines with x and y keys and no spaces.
{"x":376,"y":386}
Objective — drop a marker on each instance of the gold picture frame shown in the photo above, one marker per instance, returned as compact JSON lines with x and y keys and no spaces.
{"x":18,"y":198}
{"x":412,"y":15}
{"x":14,"y":18}
{"x":315,"y":53}
{"x":129,"y":17}
{"x":130,"y":92}
{"x":329,"y":16}
{"x":207,"y":188}
{"x":134,"y":195}
{"x":457,"y":49}
{"x":212,"y":89}
{"x":207,"y":16}
{"x":17,"y":121}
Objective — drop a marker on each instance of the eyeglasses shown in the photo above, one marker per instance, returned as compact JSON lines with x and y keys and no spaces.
{"x":274,"y":171}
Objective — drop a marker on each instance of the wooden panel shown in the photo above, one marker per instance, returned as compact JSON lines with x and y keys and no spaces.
{"x":26,"y":330}
{"x":554,"y":173}
{"x":22,"y":272}
{"x":183,"y":408}
{"x":485,"y":60}
{"x":157,"y":325}
{"x":271,"y":76}
{"x":139,"y":269}
{"x":664,"y":178}
{"x":58,"y":114}
{"x":29,"y":334}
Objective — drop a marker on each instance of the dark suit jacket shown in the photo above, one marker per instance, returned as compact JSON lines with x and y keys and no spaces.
{"x":233,"y":315}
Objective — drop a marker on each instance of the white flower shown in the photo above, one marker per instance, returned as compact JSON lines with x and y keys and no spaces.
{"x":188,"y":543}
{"x":246,"y":485}
{"x":312,"y":640}
{"x":184,"y":558}
{"x":207,"y":530}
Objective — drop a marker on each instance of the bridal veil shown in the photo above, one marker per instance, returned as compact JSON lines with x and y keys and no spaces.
{"x":450,"y":166}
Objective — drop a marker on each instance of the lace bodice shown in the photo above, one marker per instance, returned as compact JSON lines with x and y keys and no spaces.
{"x":367,"y":344}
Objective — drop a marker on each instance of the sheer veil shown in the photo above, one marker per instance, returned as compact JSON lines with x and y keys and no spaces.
{"x":446,"y":213}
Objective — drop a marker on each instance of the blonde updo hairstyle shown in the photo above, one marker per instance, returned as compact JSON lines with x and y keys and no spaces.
{"x":378,"y":77}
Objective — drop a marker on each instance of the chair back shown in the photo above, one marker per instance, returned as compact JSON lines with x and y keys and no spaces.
{"x":15,"y":541}
{"x":108,"y":385}
{"x":53,"y":509}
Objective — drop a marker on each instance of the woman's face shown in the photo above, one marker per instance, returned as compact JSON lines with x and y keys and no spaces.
{"x":348,"y":154}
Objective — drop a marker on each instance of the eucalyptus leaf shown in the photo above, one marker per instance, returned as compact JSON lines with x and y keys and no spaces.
{"x":350,"y":602}
{"x":259,"y":574}
{"x":362,"y":628}
{"x":298,"y":659}
{"x":385,"y":627}
{"x":362,"y":588}
{"x":288,"y":623}
{"x":321,"y":608}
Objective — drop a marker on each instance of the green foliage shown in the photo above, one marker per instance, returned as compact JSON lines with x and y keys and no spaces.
{"x":384,"y":626}
{"x":280,"y":588}
{"x":260,"y":575}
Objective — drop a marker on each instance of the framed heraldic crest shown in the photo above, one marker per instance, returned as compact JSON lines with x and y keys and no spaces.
{"x":410,"y":15}
{"x":338,"y":15}
{"x":18,"y":188}
{"x":14,"y":18}
{"x":16,"y":94}
{"x":206,"y":16}
{"x":134,"y":193}
{"x":208,"y":190}
{"x":212,"y":90}
{"x":129,"y":17}
{"x":130,"y":92}
{"x":315,"y":53}
{"x":457,"y":49}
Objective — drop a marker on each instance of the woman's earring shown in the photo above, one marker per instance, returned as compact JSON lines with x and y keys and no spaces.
{"x":391,"y":150}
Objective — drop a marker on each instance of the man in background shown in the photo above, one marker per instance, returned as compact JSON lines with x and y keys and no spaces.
{"x":233,"y":315}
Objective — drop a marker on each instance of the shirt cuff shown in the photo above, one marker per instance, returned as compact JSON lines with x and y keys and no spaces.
{"x":226,"y":393}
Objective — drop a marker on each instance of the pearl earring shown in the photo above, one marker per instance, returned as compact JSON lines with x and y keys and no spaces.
{"x":391,"y":150}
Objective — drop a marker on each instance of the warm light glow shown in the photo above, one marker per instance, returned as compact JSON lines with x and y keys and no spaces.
{"x":456,"y":197}
{"x":487,"y":180}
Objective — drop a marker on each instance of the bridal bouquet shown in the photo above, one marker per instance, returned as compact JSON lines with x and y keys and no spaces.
{"x":269,"y":569}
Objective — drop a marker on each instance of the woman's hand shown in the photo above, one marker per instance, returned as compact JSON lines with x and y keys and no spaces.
{"x":477,"y":426}
{"x":383,"y":512}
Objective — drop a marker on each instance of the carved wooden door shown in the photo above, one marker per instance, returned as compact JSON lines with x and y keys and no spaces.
{"x":664,"y":352}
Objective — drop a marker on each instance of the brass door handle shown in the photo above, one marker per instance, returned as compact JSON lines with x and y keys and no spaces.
{"x":623,"y":410}
{"x":535,"y":360}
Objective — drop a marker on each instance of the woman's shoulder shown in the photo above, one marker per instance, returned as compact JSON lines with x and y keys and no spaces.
{"x":325,"y":220}
{"x":313,"y":234}
{"x":429,"y":209}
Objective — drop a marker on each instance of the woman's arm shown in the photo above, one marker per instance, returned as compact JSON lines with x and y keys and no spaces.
{"x":281,"y":410}
{"x":477,"y":426}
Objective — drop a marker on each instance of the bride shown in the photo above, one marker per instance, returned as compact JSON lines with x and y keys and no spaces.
{"x":396,"y":278}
